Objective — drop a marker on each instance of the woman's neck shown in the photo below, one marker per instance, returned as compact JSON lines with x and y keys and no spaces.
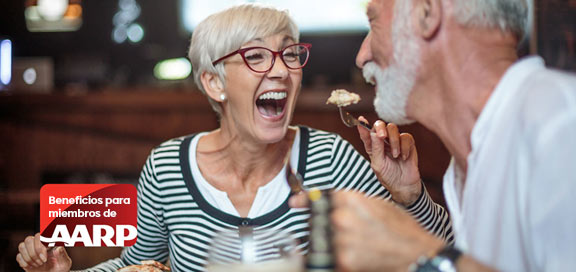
{"x":231,"y":160}
{"x":239,"y":166}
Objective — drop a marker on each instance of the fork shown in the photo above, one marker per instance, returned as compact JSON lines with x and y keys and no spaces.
{"x":350,"y":121}
{"x":294,"y":179}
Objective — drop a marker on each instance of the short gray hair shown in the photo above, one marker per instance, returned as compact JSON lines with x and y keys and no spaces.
{"x":508,"y":15}
{"x":226,"y":31}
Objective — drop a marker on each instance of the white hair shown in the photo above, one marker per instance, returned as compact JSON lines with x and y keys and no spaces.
{"x":507,"y":15}
{"x":226,"y":31}
{"x":395,"y":82}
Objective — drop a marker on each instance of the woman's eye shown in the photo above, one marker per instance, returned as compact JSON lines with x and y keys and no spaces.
{"x":254,"y":57}
{"x":290,"y":56}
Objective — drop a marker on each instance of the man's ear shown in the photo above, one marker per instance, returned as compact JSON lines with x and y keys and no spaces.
{"x":213,"y":85}
{"x":428,"y":17}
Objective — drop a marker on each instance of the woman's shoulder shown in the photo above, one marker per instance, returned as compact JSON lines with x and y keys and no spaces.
{"x":314,"y":135}
{"x":171,"y":147}
{"x":176,"y":142}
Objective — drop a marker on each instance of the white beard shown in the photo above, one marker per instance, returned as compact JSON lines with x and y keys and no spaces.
{"x":395,"y":83}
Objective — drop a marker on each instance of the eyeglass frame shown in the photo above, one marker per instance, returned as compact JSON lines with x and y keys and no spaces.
{"x":242,"y":51}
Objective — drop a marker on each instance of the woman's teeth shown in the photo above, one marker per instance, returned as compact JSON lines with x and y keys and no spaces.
{"x":271,"y":103}
{"x":273,"y":95}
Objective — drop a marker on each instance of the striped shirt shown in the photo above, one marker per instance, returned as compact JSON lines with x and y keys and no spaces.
{"x":175,"y":221}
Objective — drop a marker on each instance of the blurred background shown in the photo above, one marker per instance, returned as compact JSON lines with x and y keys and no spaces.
{"x":89,"y":87}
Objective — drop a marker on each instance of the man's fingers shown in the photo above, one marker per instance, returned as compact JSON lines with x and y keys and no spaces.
{"x":406,"y":145}
{"x":345,"y":199}
{"x":343,"y":219}
{"x":299,"y":200}
{"x":352,"y":204}
{"x":394,"y":139}
{"x":345,"y":256}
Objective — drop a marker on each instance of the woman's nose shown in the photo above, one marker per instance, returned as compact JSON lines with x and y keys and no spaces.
{"x":278,"y":69}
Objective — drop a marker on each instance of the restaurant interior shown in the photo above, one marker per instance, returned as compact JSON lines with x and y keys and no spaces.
{"x":89,"y":87}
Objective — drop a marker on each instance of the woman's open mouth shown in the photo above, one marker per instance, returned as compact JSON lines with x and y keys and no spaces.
{"x":271,"y":104}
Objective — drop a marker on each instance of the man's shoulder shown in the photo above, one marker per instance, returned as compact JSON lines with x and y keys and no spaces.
{"x":551,"y":79}
{"x":548,"y":92}
{"x":545,"y":100}
{"x":534,"y":79}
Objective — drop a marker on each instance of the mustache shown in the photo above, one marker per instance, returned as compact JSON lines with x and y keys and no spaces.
{"x":369,"y":72}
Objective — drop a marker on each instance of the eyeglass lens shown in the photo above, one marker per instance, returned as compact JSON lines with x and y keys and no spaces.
{"x":260,"y":59}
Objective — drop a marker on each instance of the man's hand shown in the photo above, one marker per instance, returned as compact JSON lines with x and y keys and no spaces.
{"x":372,"y":234}
{"x":398,"y":173}
{"x":33,"y":256}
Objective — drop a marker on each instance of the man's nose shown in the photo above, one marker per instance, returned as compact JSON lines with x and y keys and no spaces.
{"x":365,"y":53}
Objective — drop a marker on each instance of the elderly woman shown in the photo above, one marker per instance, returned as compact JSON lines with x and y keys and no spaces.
{"x":248,"y":61}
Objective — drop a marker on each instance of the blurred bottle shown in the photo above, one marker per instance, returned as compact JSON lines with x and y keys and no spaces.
{"x":320,"y":256}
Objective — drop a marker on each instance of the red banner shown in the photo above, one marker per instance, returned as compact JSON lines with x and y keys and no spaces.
{"x":91,"y":215}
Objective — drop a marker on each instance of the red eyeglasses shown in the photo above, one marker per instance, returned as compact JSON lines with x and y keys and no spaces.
{"x":261,"y":59}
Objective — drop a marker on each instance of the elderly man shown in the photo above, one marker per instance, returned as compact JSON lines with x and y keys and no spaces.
{"x":509,"y":123}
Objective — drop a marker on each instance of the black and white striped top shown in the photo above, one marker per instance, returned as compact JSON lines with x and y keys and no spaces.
{"x":176,"y":222}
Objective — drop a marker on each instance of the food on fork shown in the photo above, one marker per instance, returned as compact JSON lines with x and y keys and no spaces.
{"x":146,"y":266}
{"x":342,"y":98}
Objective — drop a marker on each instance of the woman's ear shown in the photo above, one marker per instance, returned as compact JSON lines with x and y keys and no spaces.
{"x":428,"y":17}
{"x":213,"y":86}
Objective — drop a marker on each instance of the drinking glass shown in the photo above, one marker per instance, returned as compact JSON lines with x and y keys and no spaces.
{"x":253,"y":249}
